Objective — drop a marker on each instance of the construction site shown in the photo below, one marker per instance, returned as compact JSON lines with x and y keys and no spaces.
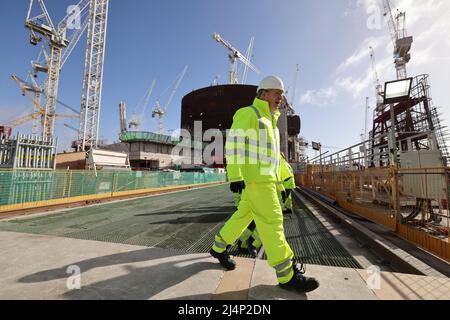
{"x":135,"y":219}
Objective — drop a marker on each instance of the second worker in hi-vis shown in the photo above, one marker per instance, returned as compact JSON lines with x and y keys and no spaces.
{"x":253,"y":168}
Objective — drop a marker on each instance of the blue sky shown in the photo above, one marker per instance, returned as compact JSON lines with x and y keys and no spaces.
{"x":152,"y":39}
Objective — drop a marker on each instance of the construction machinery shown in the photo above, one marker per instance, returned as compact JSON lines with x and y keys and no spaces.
{"x":401,"y":41}
{"x":414,"y":123}
{"x":379,"y":90}
{"x":33,"y":92}
{"x":136,"y":120}
{"x":248,"y":55}
{"x":365,"y":119}
{"x":161,"y":111}
{"x":123,"y":117}
{"x":41,"y":25}
{"x":234,"y":55}
{"x":93,"y":75}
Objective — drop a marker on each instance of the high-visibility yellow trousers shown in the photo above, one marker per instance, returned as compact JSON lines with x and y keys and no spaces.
{"x":288,"y":203}
{"x":251,"y":233}
{"x":257,"y":240}
{"x":259,"y":202}
{"x":237,"y":199}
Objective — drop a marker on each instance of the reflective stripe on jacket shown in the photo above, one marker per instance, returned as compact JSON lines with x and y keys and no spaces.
{"x":253,"y":145}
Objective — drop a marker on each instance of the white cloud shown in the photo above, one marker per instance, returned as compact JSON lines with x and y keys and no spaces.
{"x":355,"y":85}
{"x":425,"y":22}
{"x":319,"y":97}
{"x":362,"y":53}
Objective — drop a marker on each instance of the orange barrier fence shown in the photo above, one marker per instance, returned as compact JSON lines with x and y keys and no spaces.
{"x":413,"y":203}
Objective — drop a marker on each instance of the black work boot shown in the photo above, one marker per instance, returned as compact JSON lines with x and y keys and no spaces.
{"x":251,"y":250}
{"x":224,"y":259}
{"x":300,"y":283}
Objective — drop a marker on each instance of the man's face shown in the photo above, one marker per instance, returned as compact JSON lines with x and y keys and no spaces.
{"x":273,"y":97}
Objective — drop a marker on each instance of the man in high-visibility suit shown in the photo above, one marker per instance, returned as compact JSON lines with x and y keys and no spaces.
{"x":253,"y":168}
{"x":288,"y":179}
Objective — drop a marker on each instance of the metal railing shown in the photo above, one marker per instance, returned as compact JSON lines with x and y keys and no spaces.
{"x":414,"y":203}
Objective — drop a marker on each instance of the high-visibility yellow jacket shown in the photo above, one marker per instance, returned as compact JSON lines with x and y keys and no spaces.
{"x":253,"y":145}
{"x":287,"y":175}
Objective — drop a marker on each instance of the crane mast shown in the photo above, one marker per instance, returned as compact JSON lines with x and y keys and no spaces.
{"x":293,"y":94}
{"x":376,"y":80}
{"x":123,"y":117}
{"x":93,"y":75}
{"x":42,"y":25}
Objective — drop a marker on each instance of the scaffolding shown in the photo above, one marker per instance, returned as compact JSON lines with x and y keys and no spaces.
{"x":417,"y":126}
{"x":27,"y":152}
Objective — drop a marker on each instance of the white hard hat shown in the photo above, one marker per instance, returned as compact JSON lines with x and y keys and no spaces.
{"x":271,"y":83}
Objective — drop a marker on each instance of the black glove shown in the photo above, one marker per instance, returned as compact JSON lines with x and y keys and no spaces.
{"x":288,"y":193}
{"x":283,"y":196}
{"x":237,"y":187}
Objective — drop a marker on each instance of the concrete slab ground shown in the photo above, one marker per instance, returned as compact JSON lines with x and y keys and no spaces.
{"x":36,"y":267}
{"x":45,"y":267}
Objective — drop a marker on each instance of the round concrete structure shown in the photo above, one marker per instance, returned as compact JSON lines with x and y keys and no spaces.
{"x":215,"y":106}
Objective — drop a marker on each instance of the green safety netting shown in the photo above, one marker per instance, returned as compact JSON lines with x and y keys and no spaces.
{"x":18,"y":187}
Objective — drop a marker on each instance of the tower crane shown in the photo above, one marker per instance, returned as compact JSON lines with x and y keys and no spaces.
{"x":123,"y":117}
{"x":136,"y":120}
{"x":71,"y":127}
{"x":379,"y":90}
{"x":248,"y":55}
{"x":402,"y":43}
{"x":33,"y":117}
{"x":40,"y":26}
{"x":234,"y":56}
{"x":293,"y":94}
{"x":91,"y":97}
{"x":33,"y":91}
{"x":161,"y":111}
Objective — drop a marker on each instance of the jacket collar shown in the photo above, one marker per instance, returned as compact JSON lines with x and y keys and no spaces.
{"x":264,"y":108}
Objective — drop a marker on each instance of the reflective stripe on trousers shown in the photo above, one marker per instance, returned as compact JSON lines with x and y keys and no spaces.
{"x":220,"y":245}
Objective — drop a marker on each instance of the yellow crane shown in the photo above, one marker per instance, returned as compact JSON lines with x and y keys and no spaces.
{"x":33,"y":92}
